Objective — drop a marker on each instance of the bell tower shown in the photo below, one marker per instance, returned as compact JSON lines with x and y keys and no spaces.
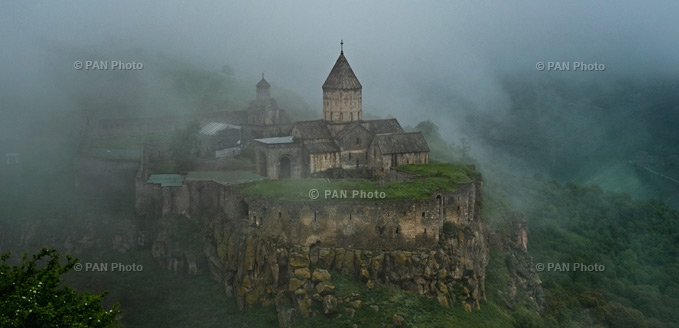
{"x":263,"y":90}
{"x":342,"y":93}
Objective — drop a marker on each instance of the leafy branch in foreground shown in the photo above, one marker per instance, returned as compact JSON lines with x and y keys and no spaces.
{"x":32,"y":295}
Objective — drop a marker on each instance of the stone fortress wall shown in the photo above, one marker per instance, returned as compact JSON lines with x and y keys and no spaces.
{"x":368,"y":224}
{"x":264,"y":250}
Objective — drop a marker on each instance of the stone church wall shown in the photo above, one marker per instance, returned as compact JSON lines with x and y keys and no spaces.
{"x":342,"y":106}
{"x":268,"y":159}
{"x":385,"y":161}
{"x":322,"y":161}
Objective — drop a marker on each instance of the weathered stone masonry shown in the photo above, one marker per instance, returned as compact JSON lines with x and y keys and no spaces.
{"x":361,"y":224}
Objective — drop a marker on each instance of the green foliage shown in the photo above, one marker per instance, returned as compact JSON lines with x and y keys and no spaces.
{"x":32,"y":295}
{"x":635,"y":241}
{"x":184,"y":146}
{"x":524,"y":318}
{"x":617,"y":315}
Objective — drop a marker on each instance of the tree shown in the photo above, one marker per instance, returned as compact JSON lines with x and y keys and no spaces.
{"x":32,"y":295}
{"x":428,"y":128}
{"x":184,"y":146}
{"x":465,"y":149}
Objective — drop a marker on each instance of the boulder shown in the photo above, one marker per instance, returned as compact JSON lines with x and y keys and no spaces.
{"x":295,"y":283}
{"x":302,"y":273}
{"x":329,"y":304}
{"x":325,"y":288}
{"x":298,"y":260}
{"x":321,"y":275}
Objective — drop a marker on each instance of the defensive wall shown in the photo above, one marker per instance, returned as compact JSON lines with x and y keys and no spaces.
{"x":369,"y":224}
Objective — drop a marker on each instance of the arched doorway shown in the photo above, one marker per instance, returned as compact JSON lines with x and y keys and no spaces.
{"x":284,"y":168}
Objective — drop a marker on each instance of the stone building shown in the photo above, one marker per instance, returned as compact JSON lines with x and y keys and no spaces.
{"x":264,"y":118}
{"x":342,"y":140}
{"x":220,"y":140}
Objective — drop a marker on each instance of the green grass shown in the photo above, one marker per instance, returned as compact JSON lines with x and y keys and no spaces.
{"x":457,"y":173}
{"x":435,"y":177}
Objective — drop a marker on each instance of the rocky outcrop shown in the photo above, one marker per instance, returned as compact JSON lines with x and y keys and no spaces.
{"x":258,"y":268}
{"x":127,"y":237}
{"x":258,"y":264}
{"x":179,"y":245}
{"x":524,"y":286}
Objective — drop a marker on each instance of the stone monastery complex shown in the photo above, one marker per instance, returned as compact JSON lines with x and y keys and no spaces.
{"x":340,"y":141}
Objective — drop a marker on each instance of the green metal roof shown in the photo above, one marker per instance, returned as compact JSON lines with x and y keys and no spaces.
{"x":166,"y":180}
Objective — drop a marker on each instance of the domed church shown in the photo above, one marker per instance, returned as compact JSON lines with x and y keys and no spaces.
{"x":341,"y":144}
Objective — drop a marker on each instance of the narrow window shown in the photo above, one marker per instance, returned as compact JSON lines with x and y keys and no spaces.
{"x":423,"y":214}
{"x":315,"y":214}
{"x":349,"y":156}
{"x":341,"y":116}
{"x":358,"y":141}
{"x":398,"y":230}
{"x":279,"y":214}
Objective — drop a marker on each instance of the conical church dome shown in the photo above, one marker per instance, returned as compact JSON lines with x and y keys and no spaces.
{"x":342,"y":76}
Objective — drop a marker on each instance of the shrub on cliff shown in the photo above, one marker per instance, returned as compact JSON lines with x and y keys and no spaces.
{"x":32,"y":295}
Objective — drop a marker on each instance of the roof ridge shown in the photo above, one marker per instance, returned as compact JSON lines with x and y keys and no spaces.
{"x":404,"y":132}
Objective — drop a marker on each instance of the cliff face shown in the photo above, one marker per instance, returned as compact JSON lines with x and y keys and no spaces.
{"x":257,"y":265}
{"x":524,"y":286}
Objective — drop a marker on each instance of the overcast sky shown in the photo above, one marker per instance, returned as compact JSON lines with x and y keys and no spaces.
{"x":396,"y":48}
